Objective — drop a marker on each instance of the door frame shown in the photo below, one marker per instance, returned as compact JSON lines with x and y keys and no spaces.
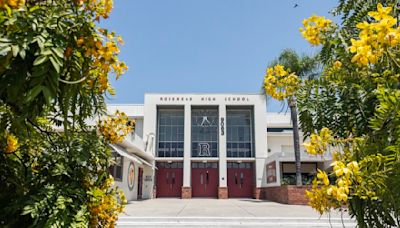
{"x":206,"y":166}
{"x":253,"y":177}
{"x":176,"y":180}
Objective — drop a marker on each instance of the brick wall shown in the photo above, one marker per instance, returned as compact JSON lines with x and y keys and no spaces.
{"x":288,"y":194}
{"x":222,"y":193}
{"x":259,"y":193}
{"x":186,"y":192}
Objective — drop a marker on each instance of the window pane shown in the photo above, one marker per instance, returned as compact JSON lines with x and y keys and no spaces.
{"x":170,"y":132}
{"x":204,"y":132}
{"x":239,"y":132}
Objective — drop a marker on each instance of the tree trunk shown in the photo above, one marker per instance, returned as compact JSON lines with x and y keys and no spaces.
{"x":293,"y":112}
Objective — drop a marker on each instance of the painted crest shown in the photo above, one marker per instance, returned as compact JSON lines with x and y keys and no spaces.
{"x":131,"y":176}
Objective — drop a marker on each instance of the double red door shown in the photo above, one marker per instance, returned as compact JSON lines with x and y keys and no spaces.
{"x":240,"y":179}
{"x":169,"y":179}
{"x":204,"y":179}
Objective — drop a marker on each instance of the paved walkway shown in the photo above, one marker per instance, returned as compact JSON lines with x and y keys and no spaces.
{"x":201,"y":212}
{"x":168,"y":207}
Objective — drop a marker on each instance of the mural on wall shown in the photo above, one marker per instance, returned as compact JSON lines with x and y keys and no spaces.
{"x":271,"y":172}
{"x":131,"y":176}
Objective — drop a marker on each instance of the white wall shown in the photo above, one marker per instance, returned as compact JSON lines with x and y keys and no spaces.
{"x":139,"y":127}
{"x":147,"y":187}
{"x":130,"y":194}
{"x":283,"y":143}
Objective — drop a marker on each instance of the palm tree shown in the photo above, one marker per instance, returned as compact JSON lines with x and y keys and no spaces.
{"x":306,"y":67}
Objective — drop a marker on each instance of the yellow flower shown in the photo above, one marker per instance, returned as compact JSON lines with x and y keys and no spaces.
{"x":115,"y":128}
{"x":318,"y":142}
{"x":15,"y":4}
{"x":323,"y":176}
{"x":315,"y":29}
{"x":376,"y":37}
{"x":332,"y":191}
{"x":12,"y":143}
{"x":337,"y":65}
{"x":279,"y":84}
{"x":120,"y":40}
{"x":382,"y":12}
{"x":80,"y":41}
{"x":353,"y":167}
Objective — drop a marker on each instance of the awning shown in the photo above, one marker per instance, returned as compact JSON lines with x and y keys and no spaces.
{"x":131,"y":157}
{"x":144,"y":161}
{"x":125,"y":154}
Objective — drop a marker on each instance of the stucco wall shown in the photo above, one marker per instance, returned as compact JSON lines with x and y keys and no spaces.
{"x":275,"y":143}
{"x":139,"y":127}
{"x":130,"y":194}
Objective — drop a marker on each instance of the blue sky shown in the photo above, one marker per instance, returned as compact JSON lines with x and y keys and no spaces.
{"x":205,"y":46}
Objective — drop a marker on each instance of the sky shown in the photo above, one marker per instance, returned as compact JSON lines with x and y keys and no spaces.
{"x":205,"y":46}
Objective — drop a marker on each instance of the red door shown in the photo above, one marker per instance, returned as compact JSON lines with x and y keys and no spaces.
{"x":205,"y":179}
{"x":169,"y":179}
{"x":240,"y":179}
{"x":140,"y":183}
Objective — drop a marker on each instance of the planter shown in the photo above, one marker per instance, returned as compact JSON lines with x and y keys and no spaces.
{"x":288,"y":194}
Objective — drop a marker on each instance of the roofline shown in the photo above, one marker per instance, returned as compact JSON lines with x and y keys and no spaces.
{"x":124,"y":104}
{"x":259,"y":94}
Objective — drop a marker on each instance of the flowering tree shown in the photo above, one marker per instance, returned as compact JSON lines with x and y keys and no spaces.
{"x":353,"y":110}
{"x":55,"y":64}
{"x":282,"y":85}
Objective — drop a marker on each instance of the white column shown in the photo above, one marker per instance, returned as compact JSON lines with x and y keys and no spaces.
{"x":222,"y":146}
{"x":187,"y":146}
{"x":260,"y":139}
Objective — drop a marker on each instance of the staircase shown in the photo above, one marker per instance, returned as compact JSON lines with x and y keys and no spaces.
{"x":125,"y":221}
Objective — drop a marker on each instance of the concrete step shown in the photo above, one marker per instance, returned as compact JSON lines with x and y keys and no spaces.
{"x":130,"y":221}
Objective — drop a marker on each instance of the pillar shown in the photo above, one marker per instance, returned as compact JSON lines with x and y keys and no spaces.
{"x":186,"y":188}
{"x":223,"y":188}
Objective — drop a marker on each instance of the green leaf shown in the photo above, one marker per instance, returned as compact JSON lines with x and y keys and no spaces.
{"x":34,"y":92}
{"x":58,"y":51}
{"x":34,"y":8}
{"x":9,"y":11}
{"x":22,"y":53}
{"x":4,"y":50}
{"x":41,"y":59}
{"x":47,"y":95}
{"x":5,"y":40}
{"x":55,"y":64}
{"x":15,"y":50}
{"x":46,"y":51}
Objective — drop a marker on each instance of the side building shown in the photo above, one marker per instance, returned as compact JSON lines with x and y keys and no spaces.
{"x":207,"y":145}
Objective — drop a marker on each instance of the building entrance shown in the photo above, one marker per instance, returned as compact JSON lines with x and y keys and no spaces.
{"x":204,"y":179}
{"x":240,"y":179}
{"x":169,"y":179}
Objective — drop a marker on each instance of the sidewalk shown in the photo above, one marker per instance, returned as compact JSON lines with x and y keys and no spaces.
{"x":169,"y":207}
{"x":201,"y":212}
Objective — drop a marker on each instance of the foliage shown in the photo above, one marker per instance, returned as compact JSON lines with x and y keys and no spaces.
{"x":315,"y":29}
{"x":357,"y":98}
{"x":279,"y":84}
{"x":282,"y":83}
{"x":115,"y":128}
{"x":55,"y":64}
{"x":319,"y":142}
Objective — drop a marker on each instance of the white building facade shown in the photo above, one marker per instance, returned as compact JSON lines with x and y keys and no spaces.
{"x":206,"y":145}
